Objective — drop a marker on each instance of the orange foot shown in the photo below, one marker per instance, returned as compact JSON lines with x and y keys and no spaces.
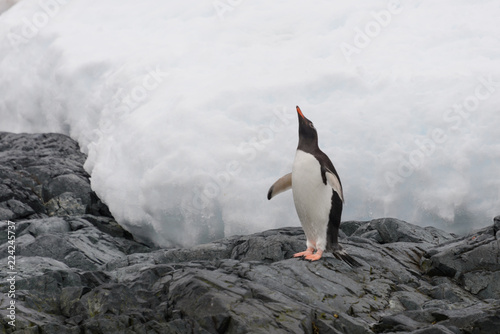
{"x":309,"y":251}
{"x":314,"y":257}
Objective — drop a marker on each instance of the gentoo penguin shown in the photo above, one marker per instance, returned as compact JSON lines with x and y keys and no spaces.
{"x":317,"y":194}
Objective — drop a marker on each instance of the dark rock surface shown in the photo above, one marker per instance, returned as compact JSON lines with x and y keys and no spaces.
{"x":42,"y":175}
{"x":78,"y":271}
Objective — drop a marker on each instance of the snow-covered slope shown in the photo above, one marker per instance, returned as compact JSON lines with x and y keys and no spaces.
{"x":187,"y":109}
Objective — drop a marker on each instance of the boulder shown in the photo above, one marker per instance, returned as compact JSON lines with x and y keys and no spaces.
{"x":471,"y":260}
{"x":389,"y":230}
{"x":42,"y":175}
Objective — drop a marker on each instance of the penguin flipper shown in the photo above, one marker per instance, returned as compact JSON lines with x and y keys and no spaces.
{"x":283,"y":184}
{"x":334,"y":182}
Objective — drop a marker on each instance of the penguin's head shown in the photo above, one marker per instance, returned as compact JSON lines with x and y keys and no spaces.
{"x":308,"y":136}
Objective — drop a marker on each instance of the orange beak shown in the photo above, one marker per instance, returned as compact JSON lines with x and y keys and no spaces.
{"x":300,"y":112}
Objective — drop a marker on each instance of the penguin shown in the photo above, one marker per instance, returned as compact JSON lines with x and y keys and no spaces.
{"x":317,"y":195}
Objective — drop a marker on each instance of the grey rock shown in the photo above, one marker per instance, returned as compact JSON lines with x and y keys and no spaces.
{"x":388,"y":230}
{"x":42,"y":226}
{"x":270,"y":249}
{"x":438,"y":329}
{"x":86,"y":249}
{"x":473,"y":261}
{"x":411,"y":300}
{"x":78,"y":271}
{"x":218,"y":288}
{"x":65,"y":204}
{"x":496,"y":224}
{"x":487,"y":324}
{"x":68,"y":183}
{"x":104,"y":224}
{"x":70,"y":300}
{"x":42,"y":174}
{"x":396,"y":323}
{"x":12,"y":209}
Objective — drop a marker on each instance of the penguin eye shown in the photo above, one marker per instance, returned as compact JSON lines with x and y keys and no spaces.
{"x":311,"y":125}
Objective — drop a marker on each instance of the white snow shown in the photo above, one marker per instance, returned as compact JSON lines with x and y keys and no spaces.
{"x":187,"y":109}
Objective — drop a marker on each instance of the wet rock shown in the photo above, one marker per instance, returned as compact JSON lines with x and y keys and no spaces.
{"x":437,"y":329}
{"x":388,"y":230}
{"x":270,"y":249}
{"x":42,"y":174}
{"x":472,"y":261}
{"x":487,"y":324}
{"x":12,"y":209}
{"x":78,"y":271}
{"x":210,"y":289}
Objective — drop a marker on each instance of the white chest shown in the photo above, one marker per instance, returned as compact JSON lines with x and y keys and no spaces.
{"x":311,"y":196}
{"x":306,"y":173}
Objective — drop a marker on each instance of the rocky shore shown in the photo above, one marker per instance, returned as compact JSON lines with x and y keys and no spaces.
{"x":77,"y":270}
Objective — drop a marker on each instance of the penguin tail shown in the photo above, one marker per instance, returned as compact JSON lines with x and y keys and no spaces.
{"x":342,"y":255}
